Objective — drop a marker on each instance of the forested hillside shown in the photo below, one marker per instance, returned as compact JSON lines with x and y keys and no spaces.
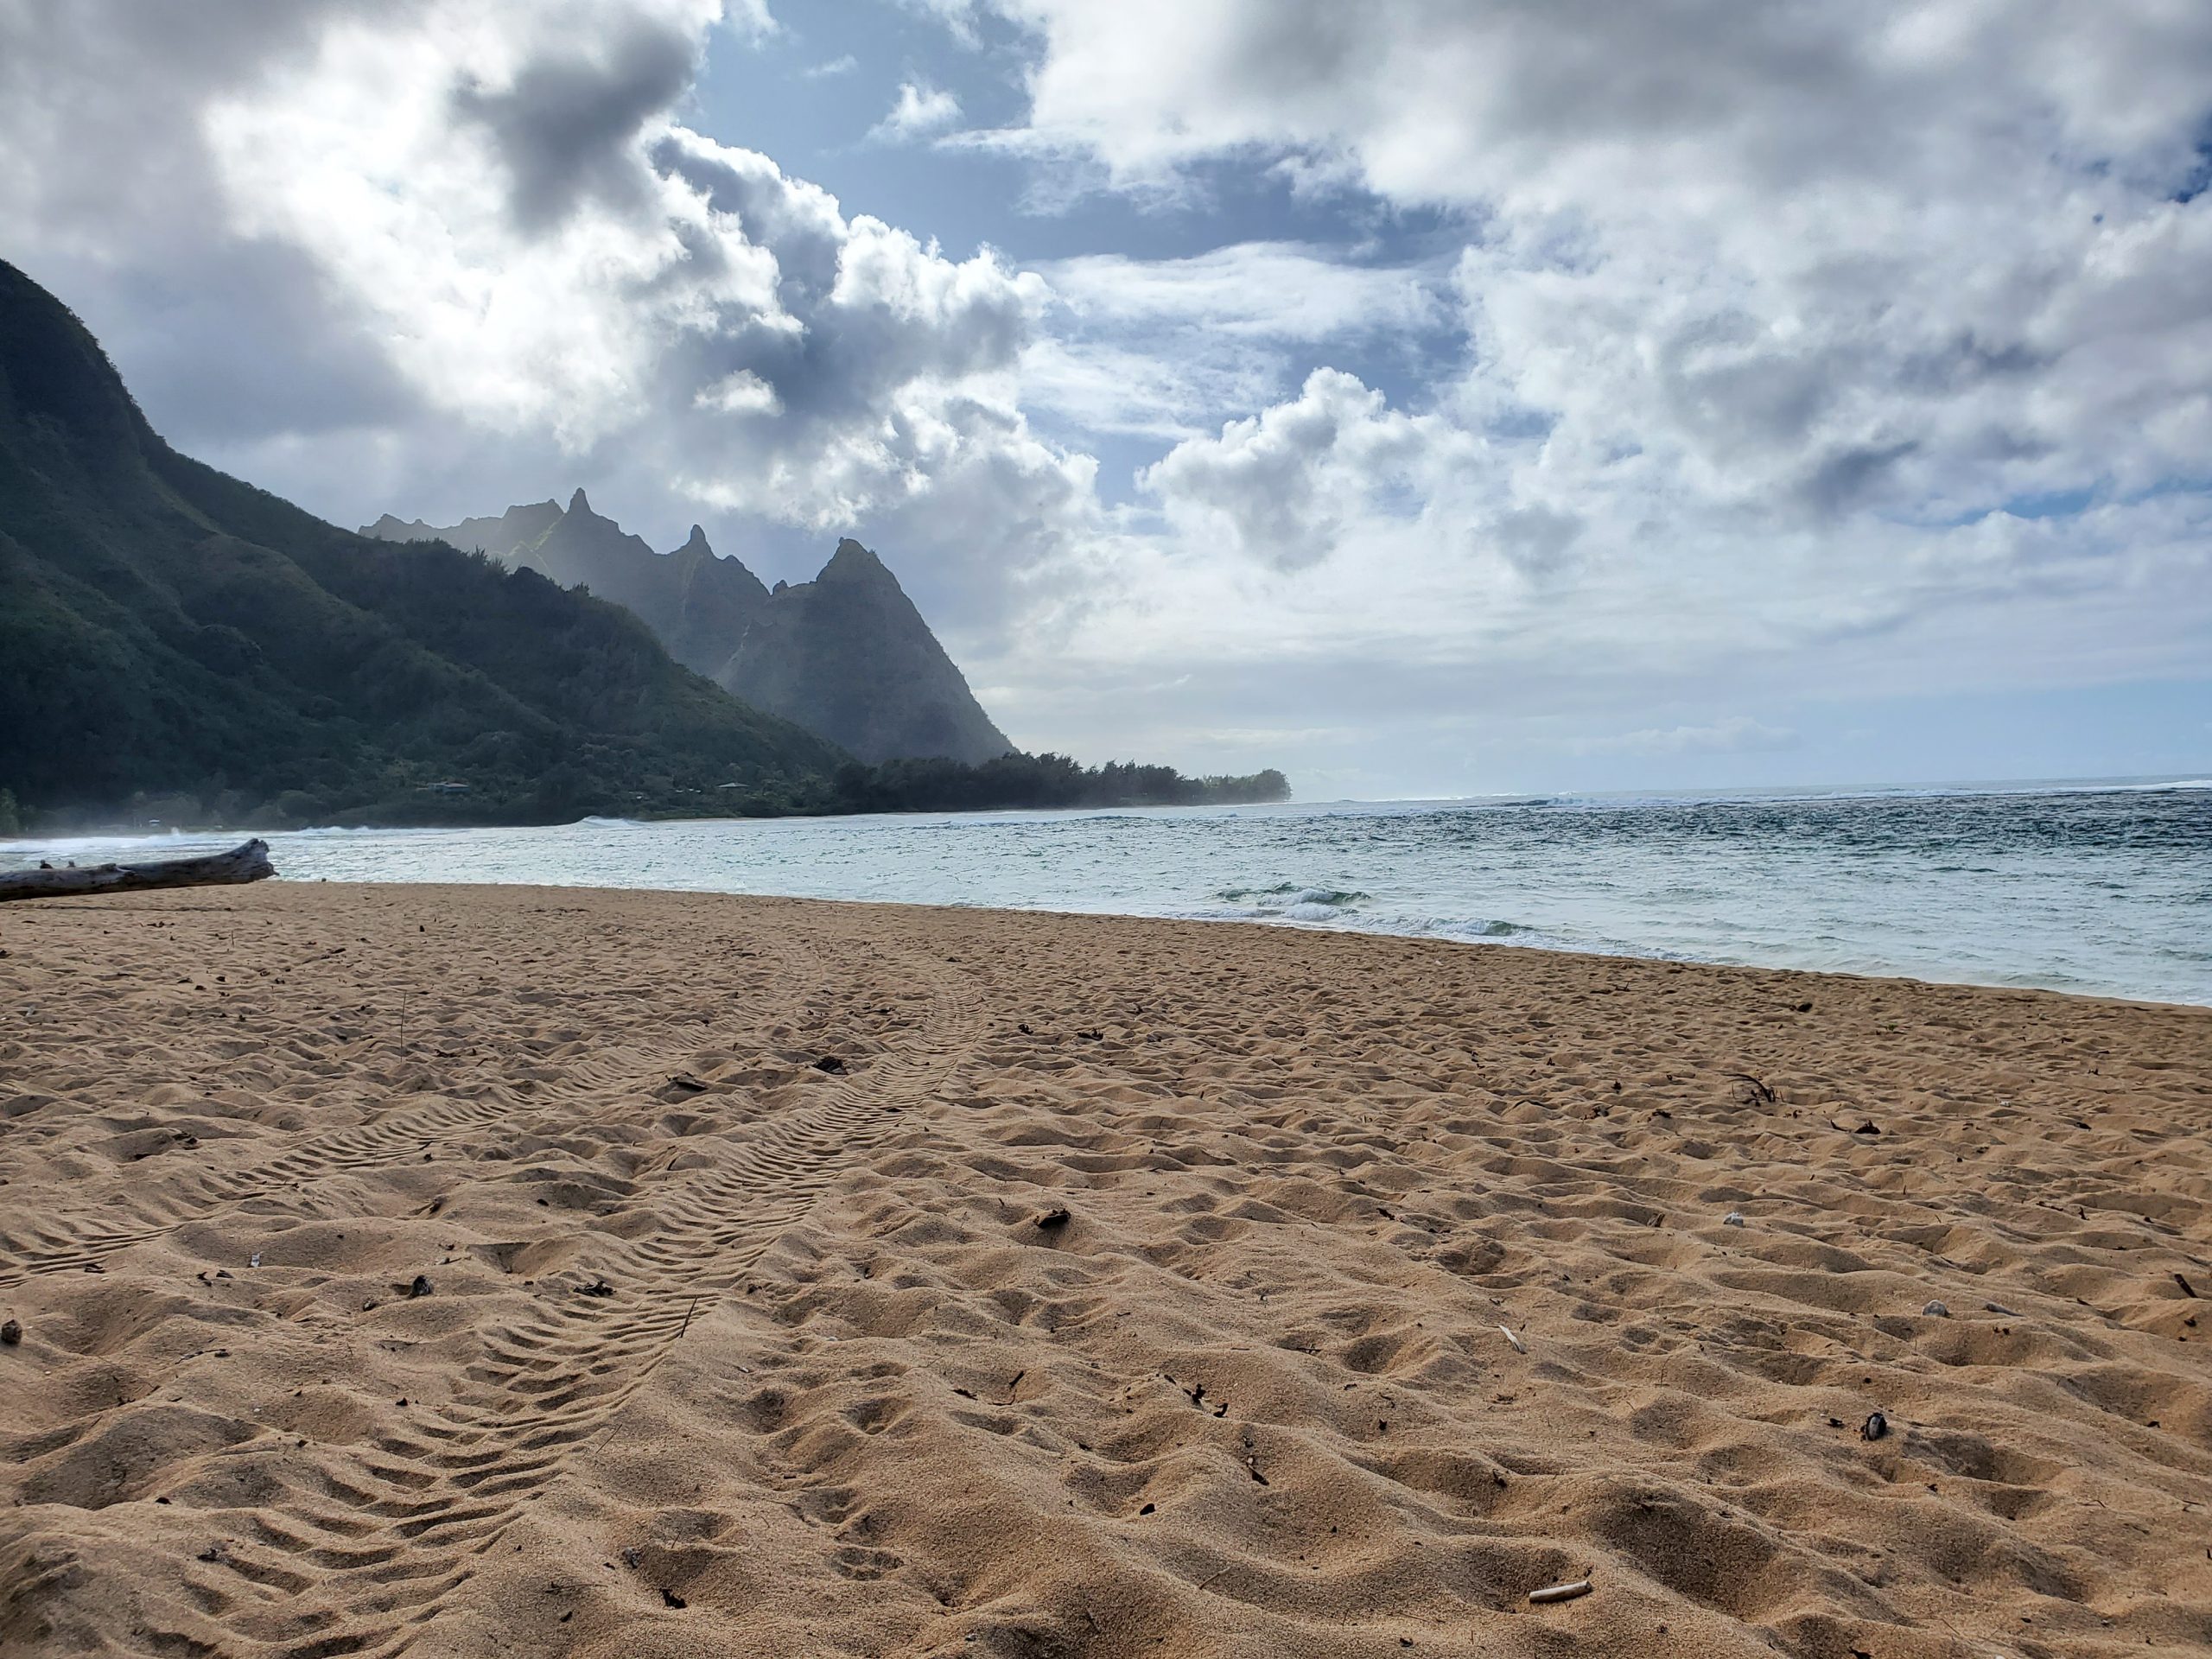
{"x":168,"y":632}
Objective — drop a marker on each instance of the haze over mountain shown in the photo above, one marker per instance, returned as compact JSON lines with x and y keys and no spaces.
{"x":847,"y":656}
{"x":165,"y":628}
{"x":697,"y":604}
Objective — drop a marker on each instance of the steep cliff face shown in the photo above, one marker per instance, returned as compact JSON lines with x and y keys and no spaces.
{"x":847,"y":657}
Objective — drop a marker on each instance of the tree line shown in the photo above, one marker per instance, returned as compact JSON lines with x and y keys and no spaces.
{"x":584,"y":785}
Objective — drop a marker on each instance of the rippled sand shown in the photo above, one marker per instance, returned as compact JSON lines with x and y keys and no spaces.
{"x":814,"y":1279}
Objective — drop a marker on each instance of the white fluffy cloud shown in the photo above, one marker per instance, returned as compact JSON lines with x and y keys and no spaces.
{"x":1922,"y":257}
{"x":546,"y":248}
{"x":1808,"y":324}
{"x":1289,"y":486}
{"x":918,"y":111}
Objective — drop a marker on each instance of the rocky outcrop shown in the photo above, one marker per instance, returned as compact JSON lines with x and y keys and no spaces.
{"x":697,"y":605}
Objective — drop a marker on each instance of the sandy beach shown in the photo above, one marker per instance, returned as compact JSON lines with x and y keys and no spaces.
{"x":510,"y":1270}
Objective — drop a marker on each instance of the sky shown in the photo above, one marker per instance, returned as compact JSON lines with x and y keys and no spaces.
{"x":1428,"y":397}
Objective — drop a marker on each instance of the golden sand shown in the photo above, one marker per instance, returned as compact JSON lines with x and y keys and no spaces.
{"x":811,"y":1279}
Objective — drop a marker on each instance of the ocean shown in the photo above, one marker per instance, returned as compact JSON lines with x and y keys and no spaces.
{"x":2100,"y":888}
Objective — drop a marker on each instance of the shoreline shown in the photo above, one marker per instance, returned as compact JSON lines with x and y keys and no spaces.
{"x":2086,"y":894}
{"x":633,"y":1273}
{"x":1268,"y":924}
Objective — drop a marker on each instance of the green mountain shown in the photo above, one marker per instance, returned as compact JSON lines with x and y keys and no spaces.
{"x":169,"y":631}
{"x":846,"y":655}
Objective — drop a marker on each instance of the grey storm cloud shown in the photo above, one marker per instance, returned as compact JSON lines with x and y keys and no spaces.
{"x":1768,"y":95}
{"x":864,"y":329}
{"x":109,"y":197}
{"x":568,"y":125}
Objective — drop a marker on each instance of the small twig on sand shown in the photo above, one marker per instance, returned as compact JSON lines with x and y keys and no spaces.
{"x":1761,"y":1095}
{"x":686,"y":1325}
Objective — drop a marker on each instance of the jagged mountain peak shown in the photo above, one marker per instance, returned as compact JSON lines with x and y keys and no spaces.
{"x":846,"y":655}
{"x":854,"y":563}
{"x":698,"y":605}
{"x":849,"y":655}
{"x":502,"y":537}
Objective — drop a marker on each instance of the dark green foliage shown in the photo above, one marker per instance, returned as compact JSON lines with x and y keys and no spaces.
{"x":1039,"y":780}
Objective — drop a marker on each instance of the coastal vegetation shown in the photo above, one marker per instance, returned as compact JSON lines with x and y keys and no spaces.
{"x":1040,"y":780}
{"x":572,"y":789}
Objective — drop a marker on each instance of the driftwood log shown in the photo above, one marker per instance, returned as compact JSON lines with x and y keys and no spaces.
{"x":247,"y":863}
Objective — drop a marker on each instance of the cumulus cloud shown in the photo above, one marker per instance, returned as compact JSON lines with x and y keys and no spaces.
{"x":1918,"y":258}
{"x":750,"y":20}
{"x":1288,"y":484}
{"x":1820,"y":326}
{"x":107,"y":195}
{"x":549,"y":249}
{"x":918,"y":111}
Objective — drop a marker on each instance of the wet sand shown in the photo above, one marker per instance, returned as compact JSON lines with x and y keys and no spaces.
{"x":809,"y":1279}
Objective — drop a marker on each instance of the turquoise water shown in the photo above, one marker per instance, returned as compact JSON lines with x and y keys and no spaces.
{"x":2105,"y":889}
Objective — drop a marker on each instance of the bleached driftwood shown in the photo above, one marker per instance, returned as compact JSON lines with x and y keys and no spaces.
{"x":247,"y":863}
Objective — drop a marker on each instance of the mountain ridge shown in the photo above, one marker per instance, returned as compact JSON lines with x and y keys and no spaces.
{"x":847,"y":656}
{"x":165,"y":628}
